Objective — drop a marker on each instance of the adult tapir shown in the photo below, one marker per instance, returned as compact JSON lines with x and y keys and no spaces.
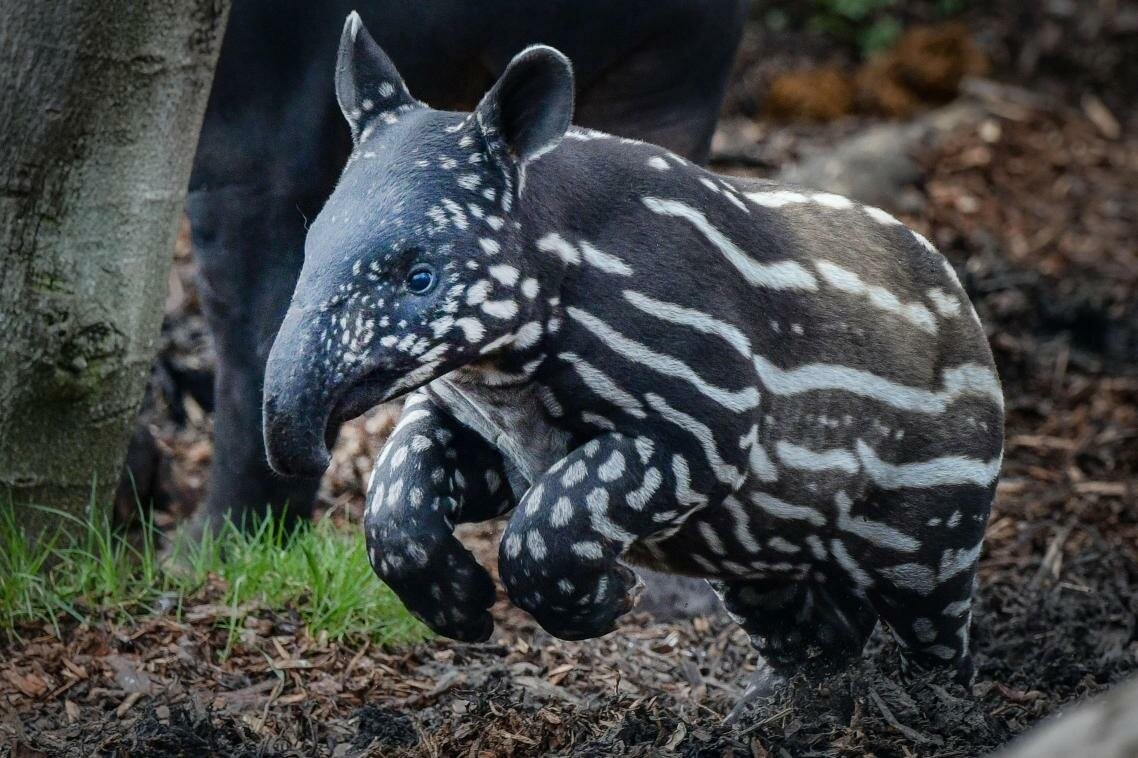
{"x":273,"y":143}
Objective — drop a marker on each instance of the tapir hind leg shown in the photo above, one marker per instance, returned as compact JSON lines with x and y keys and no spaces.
{"x":797,"y":627}
{"x":925,"y":598}
{"x":932,"y":629}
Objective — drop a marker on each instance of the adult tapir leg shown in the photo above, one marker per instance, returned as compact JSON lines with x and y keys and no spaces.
{"x":249,"y":245}
{"x":271,"y":147}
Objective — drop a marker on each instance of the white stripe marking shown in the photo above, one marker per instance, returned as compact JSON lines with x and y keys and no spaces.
{"x":881,"y":216}
{"x":937,"y":472}
{"x":782,"y":275}
{"x":685,"y":495}
{"x":875,"y":532}
{"x":597,"y":502}
{"x":711,"y":538}
{"x":553,"y":243}
{"x":802,"y":458}
{"x":573,"y":255}
{"x":781,"y":509}
{"x":946,"y":304}
{"x":856,"y":572}
{"x":830,"y":200}
{"x":698,"y":320}
{"x":758,"y":461}
{"x":600,"y":383}
{"x":724,"y":472}
{"x":966,"y":379}
{"x":738,"y":401}
{"x":638,"y":498}
{"x":776,"y":198}
{"x":742,"y":519}
{"x":610,"y":264}
{"x":879,"y":297}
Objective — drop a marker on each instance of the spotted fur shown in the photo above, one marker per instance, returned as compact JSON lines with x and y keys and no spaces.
{"x":778,"y":390}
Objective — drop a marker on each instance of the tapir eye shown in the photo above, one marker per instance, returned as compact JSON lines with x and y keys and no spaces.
{"x":420,"y":279}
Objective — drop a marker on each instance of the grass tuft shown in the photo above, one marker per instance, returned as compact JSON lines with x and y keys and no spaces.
{"x":87,"y":572}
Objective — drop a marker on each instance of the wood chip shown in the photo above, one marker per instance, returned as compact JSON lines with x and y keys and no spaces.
{"x":1107,"y":489}
{"x":128,"y":703}
{"x":1101,"y":116}
{"x":249,"y":693}
{"x":31,"y":685}
{"x":292,"y":663}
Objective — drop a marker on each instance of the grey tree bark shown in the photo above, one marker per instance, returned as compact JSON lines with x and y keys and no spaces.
{"x":101,"y":102}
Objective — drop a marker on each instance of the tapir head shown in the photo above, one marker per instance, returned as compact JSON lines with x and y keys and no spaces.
{"x":415,"y":265}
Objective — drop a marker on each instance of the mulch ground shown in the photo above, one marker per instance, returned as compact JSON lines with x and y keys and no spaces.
{"x":1037,"y":208}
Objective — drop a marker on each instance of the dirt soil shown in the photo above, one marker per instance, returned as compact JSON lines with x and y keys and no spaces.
{"x":1036,"y":208}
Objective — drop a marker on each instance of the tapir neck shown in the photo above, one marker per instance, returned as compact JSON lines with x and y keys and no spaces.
{"x":573,"y":188}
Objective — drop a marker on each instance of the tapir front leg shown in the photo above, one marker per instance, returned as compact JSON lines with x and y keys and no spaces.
{"x":435,"y":473}
{"x":558,"y":556}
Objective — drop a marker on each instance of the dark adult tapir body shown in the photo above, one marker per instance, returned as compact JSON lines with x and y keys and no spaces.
{"x":273,"y":143}
{"x":781,"y":391}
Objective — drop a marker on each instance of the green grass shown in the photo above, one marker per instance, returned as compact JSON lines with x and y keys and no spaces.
{"x":88,"y":572}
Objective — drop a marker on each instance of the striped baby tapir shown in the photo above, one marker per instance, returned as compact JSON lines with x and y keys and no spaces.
{"x":637,"y":362}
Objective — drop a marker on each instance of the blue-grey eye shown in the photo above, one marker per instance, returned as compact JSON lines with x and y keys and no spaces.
{"x":420,"y":280}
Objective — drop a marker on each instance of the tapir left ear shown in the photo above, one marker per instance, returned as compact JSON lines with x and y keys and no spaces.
{"x":367,"y":82}
{"x":527,"y":111}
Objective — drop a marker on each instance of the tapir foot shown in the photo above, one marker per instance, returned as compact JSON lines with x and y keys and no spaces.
{"x":577,"y":607}
{"x":437,"y":578}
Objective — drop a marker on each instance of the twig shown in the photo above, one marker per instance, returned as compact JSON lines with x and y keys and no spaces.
{"x":352,"y":663}
{"x":127,"y":704}
{"x":908,"y":731}
{"x":446,"y":681}
{"x":760,"y":724}
{"x":1052,"y":559}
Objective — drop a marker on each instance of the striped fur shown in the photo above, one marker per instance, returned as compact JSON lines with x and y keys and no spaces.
{"x":781,"y":391}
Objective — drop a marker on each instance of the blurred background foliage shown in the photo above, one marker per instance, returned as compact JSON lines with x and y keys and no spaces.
{"x":870,"y":26}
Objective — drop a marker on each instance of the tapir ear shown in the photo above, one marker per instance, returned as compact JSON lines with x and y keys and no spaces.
{"x":530,"y":107}
{"x":367,"y":82}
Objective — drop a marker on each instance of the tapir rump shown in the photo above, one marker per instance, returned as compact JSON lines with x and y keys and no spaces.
{"x":640,"y":362}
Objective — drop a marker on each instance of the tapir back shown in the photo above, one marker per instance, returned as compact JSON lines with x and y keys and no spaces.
{"x":820,"y":363}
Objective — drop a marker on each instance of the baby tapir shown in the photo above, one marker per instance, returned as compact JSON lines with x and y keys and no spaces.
{"x":642,"y":362}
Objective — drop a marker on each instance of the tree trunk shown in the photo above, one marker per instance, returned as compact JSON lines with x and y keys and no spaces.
{"x":1106,"y":727}
{"x":101,"y":102}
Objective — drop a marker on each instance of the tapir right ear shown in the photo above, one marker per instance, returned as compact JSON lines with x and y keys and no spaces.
{"x":367,"y":82}
{"x":528,"y":110}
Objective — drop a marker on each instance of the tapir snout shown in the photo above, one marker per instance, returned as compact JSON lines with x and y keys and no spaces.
{"x":296,"y":402}
{"x":309,"y":393}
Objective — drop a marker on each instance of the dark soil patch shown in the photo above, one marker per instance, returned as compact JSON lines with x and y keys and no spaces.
{"x":186,"y":730}
{"x":384,"y":728}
